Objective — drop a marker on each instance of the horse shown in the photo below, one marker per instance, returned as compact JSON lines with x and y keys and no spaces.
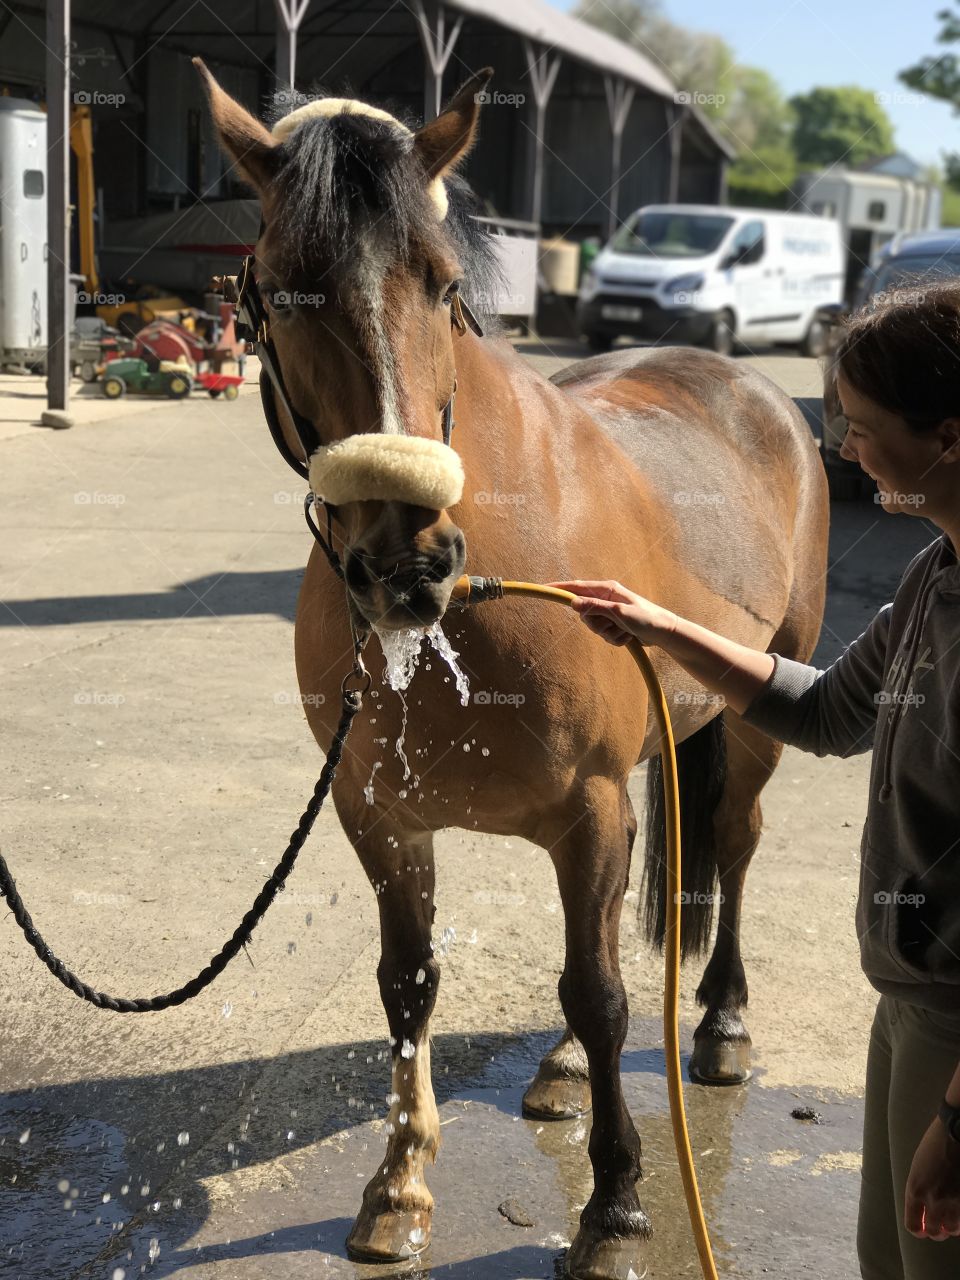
{"x":683,"y":473}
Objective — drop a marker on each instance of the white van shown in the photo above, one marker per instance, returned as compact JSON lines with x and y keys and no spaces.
{"x":677,"y":273}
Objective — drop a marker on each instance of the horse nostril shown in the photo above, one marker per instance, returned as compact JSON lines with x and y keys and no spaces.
{"x":355,"y":572}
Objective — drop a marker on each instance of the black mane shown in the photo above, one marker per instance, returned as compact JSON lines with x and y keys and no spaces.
{"x":347,"y":175}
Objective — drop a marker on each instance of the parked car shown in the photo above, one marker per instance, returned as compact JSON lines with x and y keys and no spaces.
{"x":716,"y":276}
{"x":905,"y":263}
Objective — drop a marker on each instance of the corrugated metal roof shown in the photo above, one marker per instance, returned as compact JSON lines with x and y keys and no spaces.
{"x":539,"y":21}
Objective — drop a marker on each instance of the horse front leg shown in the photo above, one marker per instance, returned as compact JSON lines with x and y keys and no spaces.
{"x":395,"y":1218}
{"x":561,"y":1088}
{"x":592,"y":858}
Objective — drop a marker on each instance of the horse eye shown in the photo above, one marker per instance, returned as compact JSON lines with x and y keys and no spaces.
{"x":451,"y":290}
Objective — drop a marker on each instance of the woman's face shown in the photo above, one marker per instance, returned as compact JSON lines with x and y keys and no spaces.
{"x":910,"y":469}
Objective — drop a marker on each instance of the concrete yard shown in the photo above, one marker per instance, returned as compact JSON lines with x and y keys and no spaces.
{"x":155,"y":759}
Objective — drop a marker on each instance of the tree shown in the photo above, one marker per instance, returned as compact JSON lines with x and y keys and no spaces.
{"x":744,"y":103}
{"x":841,"y":125}
{"x":940,"y":78}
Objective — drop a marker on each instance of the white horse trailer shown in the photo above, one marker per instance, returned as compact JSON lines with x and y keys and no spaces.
{"x":23,"y":233}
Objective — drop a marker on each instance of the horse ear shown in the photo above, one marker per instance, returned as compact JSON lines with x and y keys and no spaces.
{"x":242,"y":135}
{"x":444,"y":142}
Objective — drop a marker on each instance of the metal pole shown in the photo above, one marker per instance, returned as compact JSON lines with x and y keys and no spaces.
{"x":289,"y":16}
{"x":58,"y":214}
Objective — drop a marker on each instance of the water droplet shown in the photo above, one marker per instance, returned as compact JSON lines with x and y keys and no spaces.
{"x":63,"y":1186}
{"x":118,"y":1273}
{"x":227,"y":1009}
{"x":403,"y":1117}
{"x":183,"y":1137}
{"x":154,"y":1250}
{"x":421,"y":977}
{"x":25,"y":1136}
{"x":484,"y":751}
{"x":408,"y":1050}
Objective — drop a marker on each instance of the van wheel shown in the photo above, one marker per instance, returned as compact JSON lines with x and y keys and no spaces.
{"x":815,"y":341}
{"x":722,"y":338}
{"x":599,"y":341}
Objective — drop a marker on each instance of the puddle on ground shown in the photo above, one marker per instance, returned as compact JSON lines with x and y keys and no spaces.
{"x":780,"y":1195}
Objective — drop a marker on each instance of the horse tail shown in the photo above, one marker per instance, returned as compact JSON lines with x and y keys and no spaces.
{"x":702,"y":771}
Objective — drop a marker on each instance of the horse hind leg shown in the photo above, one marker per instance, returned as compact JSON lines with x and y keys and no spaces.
{"x":394,"y":1221}
{"x":561,"y":1088}
{"x":722,"y":1043}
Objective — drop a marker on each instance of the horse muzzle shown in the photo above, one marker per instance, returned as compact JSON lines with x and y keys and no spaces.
{"x":413,"y":590}
{"x":402,"y":566}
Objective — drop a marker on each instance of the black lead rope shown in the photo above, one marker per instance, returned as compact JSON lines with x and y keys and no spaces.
{"x":251,"y":324}
{"x":352,"y":701}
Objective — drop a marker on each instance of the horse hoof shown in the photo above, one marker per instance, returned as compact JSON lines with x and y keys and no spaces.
{"x":556,"y":1098}
{"x":716,"y":1061}
{"x":596,"y":1257}
{"x":388,"y":1237}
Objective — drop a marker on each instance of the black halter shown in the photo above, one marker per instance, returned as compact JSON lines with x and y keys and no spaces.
{"x":252,"y":325}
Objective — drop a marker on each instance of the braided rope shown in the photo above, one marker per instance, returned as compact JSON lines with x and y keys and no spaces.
{"x":352,"y":699}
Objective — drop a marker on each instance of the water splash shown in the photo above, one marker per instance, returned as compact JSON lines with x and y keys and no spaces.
{"x":401,"y":650}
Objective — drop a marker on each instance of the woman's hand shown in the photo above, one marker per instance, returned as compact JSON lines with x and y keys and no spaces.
{"x":617,"y":614}
{"x":932,"y":1200}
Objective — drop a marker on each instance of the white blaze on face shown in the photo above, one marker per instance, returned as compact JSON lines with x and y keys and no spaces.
{"x":368,"y":275}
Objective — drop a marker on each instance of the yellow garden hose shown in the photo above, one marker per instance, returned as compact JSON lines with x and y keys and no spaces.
{"x":471,"y":590}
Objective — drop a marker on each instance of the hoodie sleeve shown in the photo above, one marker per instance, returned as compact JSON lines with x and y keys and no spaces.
{"x":831,"y":712}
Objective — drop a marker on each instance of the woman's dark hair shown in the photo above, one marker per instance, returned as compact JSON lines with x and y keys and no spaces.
{"x":902,"y":351}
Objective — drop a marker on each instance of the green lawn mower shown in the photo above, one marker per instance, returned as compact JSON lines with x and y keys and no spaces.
{"x":133,"y":375}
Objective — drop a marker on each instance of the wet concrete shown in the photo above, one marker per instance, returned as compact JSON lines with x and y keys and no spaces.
{"x":273,"y":1189}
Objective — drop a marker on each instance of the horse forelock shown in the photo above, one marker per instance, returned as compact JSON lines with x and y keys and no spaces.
{"x":349,"y":177}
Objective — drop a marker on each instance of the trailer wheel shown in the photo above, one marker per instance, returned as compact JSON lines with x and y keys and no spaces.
{"x":88,"y":371}
{"x":231,"y":392}
{"x":722,"y":338}
{"x":212,"y":394}
{"x":816,"y":340}
{"x":113,"y":388}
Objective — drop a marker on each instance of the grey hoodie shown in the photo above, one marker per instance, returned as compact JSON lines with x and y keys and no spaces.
{"x":895,"y":689}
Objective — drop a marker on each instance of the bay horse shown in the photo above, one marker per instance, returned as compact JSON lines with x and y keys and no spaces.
{"x":682,"y":473}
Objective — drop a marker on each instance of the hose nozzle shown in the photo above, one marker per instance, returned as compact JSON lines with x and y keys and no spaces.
{"x":474,"y":590}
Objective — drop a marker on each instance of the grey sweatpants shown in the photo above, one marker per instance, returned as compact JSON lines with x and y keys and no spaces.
{"x":913,"y":1055}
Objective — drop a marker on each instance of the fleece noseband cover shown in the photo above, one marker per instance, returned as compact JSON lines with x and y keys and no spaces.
{"x":387,"y":468}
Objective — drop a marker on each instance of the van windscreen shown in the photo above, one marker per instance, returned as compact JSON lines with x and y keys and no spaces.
{"x":670,"y":234}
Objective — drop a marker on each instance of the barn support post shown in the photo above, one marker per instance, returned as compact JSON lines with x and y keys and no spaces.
{"x":675,"y":138}
{"x":437,"y":50}
{"x":289,"y":16}
{"x":619,"y":101}
{"x":542,"y":70}
{"x":722,"y":193}
{"x":58,"y":214}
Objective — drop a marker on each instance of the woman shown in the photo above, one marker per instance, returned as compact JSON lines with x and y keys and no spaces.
{"x":896,"y":689}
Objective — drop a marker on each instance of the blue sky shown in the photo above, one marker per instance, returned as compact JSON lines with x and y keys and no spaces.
{"x":804,"y":43}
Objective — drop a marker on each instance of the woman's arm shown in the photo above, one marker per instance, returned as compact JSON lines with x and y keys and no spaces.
{"x":830,"y":713}
{"x":723,"y":666}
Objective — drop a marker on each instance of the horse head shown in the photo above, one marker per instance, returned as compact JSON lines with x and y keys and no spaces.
{"x":365,"y":240}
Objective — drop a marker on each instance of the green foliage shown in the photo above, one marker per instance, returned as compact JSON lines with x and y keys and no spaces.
{"x":840,"y":125}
